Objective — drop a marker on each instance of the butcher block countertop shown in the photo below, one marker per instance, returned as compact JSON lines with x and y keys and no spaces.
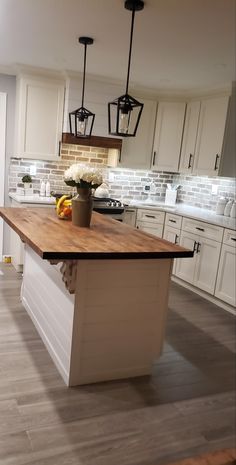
{"x":52,"y":238}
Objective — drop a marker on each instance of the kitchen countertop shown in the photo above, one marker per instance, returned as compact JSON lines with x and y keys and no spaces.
{"x":34,"y":199}
{"x":52,"y":238}
{"x":196,"y":213}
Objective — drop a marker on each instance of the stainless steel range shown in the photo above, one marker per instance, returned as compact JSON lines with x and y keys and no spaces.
{"x":107,"y":206}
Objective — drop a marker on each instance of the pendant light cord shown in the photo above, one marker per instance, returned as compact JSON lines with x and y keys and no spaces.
{"x":130,"y":50}
{"x":85,"y":54}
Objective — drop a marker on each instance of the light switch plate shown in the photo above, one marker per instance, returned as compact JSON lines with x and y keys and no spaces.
{"x":214,"y":189}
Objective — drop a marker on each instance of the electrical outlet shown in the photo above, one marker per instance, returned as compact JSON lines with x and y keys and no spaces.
{"x":214,"y":189}
{"x":32,"y":170}
{"x":111,"y":177}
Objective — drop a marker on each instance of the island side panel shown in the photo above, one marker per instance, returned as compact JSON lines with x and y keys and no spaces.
{"x":119,"y":318}
{"x":50,"y":307}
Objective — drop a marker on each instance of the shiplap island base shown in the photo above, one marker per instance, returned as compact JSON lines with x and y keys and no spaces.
{"x":98,"y":297}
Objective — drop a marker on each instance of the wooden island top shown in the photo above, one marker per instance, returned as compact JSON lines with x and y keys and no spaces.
{"x":54,"y":239}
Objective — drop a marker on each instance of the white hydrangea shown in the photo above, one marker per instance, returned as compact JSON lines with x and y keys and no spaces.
{"x":79,"y":174}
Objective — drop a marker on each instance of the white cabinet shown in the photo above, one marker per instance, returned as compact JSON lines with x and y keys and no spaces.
{"x":210,"y":136}
{"x":130,"y":216}
{"x":226,"y":279}
{"x":39,"y":117}
{"x":16,"y":245}
{"x":172,"y":231}
{"x":168,"y":136}
{"x":201,"y":270}
{"x":137,"y":151}
{"x":189,"y":137}
{"x":150,"y":221}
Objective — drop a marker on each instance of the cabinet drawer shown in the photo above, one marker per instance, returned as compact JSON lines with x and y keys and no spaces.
{"x":145,"y":226}
{"x":150,"y":216}
{"x":229,"y":237}
{"x":206,"y":230}
{"x":174,"y":221}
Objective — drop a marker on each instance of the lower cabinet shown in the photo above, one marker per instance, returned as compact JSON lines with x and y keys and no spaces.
{"x":172,"y":235}
{"x":150,"y":221}
{"x":226,"y":278}
{"x":201,"y":270}
{"x":130,"y":216}
{"x":16,"y":245}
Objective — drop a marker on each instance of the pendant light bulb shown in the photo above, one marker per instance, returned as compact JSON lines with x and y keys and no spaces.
{"x":81,"y":120}
{"x":124,"y":112}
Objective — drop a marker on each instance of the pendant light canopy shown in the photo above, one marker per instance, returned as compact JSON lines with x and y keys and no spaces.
{"x":124,"y":112}
{"x":81,"y":120}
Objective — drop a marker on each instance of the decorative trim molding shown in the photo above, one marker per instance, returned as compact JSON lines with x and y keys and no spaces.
{"x":93,"y":141}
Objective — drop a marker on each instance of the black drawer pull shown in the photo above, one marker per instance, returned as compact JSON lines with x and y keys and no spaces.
{"x":233,"y":239}
{"x":154,"y":158}
{"x":200,"y":229}
{"x":150,"y":216}
{"x":172,"y":221}
{"x":198,"y":247}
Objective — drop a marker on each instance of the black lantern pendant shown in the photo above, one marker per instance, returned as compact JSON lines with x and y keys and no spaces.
{"x":124,"y":112}
{"x":81,"y":120}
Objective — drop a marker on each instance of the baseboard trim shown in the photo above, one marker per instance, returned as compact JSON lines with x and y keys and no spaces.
{"x":206,"y":296}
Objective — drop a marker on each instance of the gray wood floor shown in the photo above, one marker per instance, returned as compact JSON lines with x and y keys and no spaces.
{"x":185,"y":408}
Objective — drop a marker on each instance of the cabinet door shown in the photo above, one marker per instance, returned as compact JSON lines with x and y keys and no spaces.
{"x":168,"y":136}
{"x":189,"y":137}
{"x":172,"y":235}
{"x":226,"y":279}
{"x":39,"y":118}
{"x":154,"y":229}
{"x":137,"y":151}
{"x":207,"y":259}
{"x":210,"y":136}
{"x":185,"y":267}
{"x":130,"y":216}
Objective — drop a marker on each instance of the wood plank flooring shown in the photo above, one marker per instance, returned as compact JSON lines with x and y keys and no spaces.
{"x":186,"y":408}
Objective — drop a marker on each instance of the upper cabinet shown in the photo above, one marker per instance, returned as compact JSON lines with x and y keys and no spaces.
{"x":168,"y":136}
{"x":137,"y":151}
{"x":210,"y":135}
{"x":189,"y":137}
{"x":204,"y":131}
{"x":39,"y":117}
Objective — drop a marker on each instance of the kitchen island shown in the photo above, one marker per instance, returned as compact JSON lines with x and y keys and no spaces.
{"x":98,"y":296}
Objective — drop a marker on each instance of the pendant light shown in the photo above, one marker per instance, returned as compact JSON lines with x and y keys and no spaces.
{"x":124,"y":112}
{"x":81,"y":120}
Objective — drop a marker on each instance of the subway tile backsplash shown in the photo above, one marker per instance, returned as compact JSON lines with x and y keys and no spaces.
{"x":123,"y":183}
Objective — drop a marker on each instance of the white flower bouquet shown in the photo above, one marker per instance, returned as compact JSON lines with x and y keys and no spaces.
{"x":80,"y":176}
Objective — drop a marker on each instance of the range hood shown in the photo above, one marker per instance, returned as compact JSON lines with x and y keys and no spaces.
{"x":93,"y":141}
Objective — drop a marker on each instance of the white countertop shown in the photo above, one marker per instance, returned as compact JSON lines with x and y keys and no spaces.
{"x":202,"y":214}
{"x":178,"y":209}
{"x":34,"y":199}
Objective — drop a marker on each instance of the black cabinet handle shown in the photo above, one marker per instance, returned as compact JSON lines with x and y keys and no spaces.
{"x":200,"y":229}
{"x":172,"y":221}
{"x":120,"y":156}
{"x":190,"y":161}
{"x":216,"y":162}
{"x":150,"y":216}
{"x":176,"y":238}
{"x":198,"y":247}
{"x":195,"y":246}
{"x":59,"y":149}
{"x":154,"y":158}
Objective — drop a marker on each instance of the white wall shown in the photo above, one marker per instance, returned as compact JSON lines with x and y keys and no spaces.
{"x":8,"y":85}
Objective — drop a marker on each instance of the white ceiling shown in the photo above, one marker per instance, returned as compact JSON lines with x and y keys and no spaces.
{"x":178,"y":44}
